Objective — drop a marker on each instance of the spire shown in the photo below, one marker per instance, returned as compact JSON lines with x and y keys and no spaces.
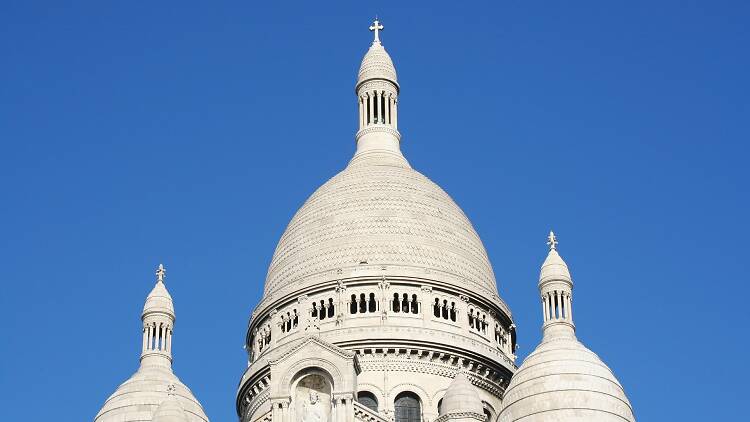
{"x":552,"y":241}
{"x":161,"y":272}
{"x":158,"y":319}
{"x":377,"y":97}
{"x":556,"y":289}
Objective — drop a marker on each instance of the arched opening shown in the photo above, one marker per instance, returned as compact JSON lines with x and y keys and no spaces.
{"x":407,"y":407}
{"x":368,"y":400}
{"x":311,"y":394}
{"x":372,"y":303}
{"x":489,"y":412}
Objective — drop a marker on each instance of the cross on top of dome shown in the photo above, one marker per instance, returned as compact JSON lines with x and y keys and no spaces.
{"x":552,"y":241}
{"x":376,"y":27}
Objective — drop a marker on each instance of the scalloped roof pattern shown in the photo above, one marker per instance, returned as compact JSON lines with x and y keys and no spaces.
{"x":383,"y":213}
{"x":138,"y":398}
{"x":377,"y":64}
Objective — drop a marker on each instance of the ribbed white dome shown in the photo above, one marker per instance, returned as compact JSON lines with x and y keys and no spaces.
{"x":562,"y":380}
{"x":380,"y":212}
{"x":138,"y":398}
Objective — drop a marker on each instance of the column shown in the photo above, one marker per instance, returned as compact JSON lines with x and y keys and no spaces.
{"x":285,"y":411}
{"x":143,"y":340}
{"x":378,"y":106}
{"x":148,"y":336}
{"x":388,"y":109}
{"x":338,"y":409}
{"x":360,"y":103}
{"x":169,"y":339}
{"x":570,"y":308}
{"x":395,"y":113}
{"x":372,"y":107}
{"x":544,"y":308}
{"x":276,"y":410}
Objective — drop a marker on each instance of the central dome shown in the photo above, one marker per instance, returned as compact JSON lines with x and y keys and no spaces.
{"x":380,"y":212}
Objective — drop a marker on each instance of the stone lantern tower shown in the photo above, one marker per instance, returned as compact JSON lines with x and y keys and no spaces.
{"x":379,"y":292}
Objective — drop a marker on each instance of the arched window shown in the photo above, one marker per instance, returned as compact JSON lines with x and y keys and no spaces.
{"x":372,"y":304}
{"x":487,"y":415}
{"x":407,"y":407}
{"x":368,"y":399}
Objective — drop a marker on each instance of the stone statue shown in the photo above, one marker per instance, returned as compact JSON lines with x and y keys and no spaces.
{"x":312,"y":409}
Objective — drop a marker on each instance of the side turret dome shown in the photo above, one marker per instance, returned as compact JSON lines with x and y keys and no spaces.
{"x":461,"y":397}
{"x":562,"y":380}
{"x":154,"y":393}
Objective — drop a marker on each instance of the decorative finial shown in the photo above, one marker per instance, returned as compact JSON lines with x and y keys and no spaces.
{"x":160,"y":273}
{"x":376,"y":27}
{"x":552,"y":241}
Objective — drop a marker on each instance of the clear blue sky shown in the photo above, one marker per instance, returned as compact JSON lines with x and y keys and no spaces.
{"x":189,"y":133}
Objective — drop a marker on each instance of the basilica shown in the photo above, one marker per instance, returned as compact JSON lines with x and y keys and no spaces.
{"x":380,"y":305}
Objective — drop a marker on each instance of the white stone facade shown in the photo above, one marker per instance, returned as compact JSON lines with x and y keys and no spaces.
{"x":380,"y":305}
{"x":379,"y":265}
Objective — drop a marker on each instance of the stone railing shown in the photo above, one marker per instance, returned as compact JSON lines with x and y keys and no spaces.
{"x":364,"y":414}
{"x":264,"y":418}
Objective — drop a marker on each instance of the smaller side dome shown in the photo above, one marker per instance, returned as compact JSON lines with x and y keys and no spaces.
{"x":563,"y":380}
{"x":461,"y":402}
{"x":170,"y":410}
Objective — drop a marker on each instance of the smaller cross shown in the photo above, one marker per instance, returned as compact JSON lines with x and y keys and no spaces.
{"x":171,"y":389}
{"x":160,"y":273}
{"x":376,"y":27}
{"x":552,"y":241}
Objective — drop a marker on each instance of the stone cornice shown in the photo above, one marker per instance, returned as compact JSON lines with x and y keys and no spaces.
{"x":378,"y":128}
{"x":313,"y":339}
{"x":461,"y":415}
